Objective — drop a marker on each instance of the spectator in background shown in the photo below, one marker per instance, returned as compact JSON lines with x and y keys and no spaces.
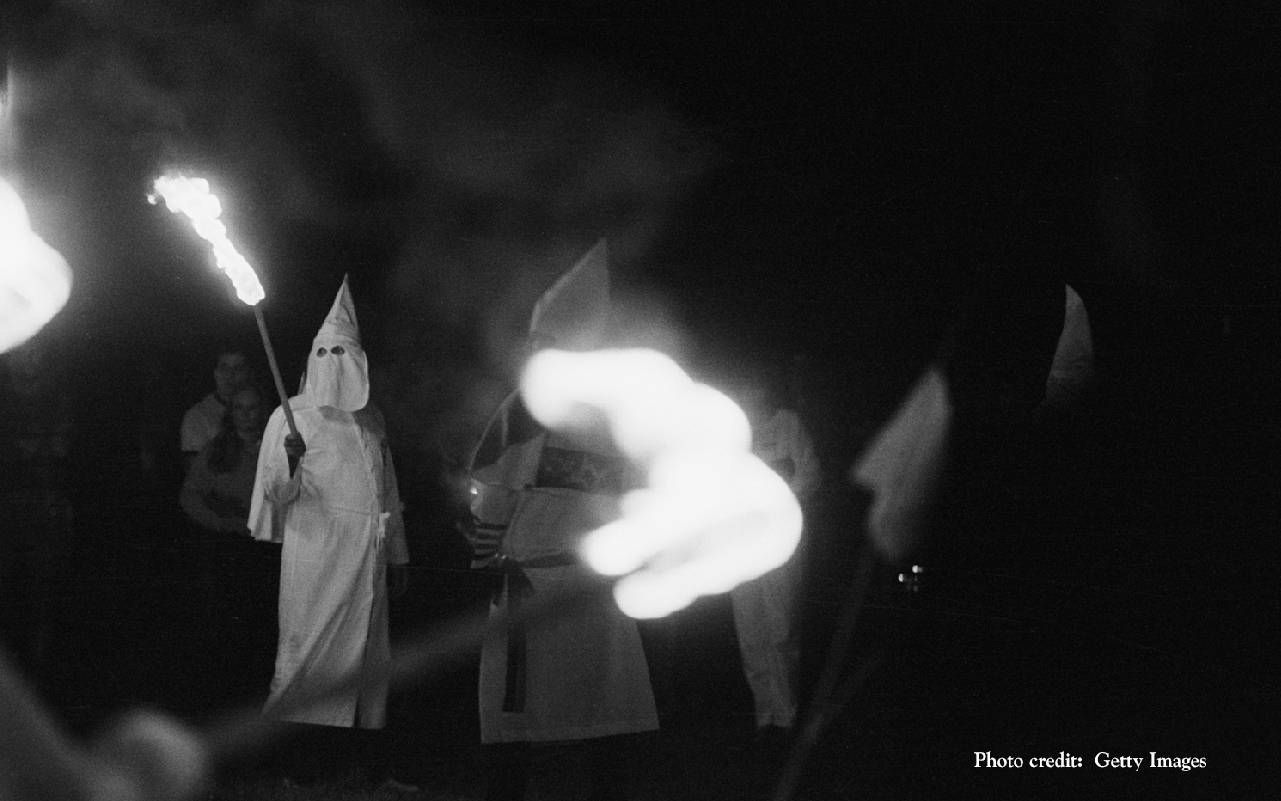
{"x":203,"y":421}
{"x":220,"y":481}
{"x":766,"y":614}
{"x":234,"y":576}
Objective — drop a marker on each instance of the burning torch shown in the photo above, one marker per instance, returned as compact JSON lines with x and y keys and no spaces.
{"x":191,"y":197}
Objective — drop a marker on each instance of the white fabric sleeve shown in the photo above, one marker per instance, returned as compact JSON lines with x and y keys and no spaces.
{"x":274,"y":488}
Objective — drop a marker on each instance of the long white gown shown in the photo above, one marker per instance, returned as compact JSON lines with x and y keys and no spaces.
{"x":339,"y":518}
{"x":580,"y":675}
{"x":765,"y":614}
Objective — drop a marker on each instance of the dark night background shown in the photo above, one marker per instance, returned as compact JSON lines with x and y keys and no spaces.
{"x":859,"y":188}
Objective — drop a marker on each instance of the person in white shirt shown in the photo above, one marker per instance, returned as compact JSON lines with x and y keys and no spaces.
{"x":203,"y":421}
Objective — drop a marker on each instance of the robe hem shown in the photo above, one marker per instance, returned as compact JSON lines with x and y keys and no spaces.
{"x":571,"y":733}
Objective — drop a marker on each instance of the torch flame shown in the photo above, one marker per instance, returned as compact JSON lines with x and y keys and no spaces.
{"x":191,"y":197}
{"x":35,"y":281}
{"x":711,"y":516}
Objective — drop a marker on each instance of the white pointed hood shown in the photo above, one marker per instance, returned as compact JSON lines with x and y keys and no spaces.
{"x":338,"y":378}
{"x":1073,"y":367}
{"x":574,"y":313}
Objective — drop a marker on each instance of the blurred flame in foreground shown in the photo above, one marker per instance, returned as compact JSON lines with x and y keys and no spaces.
{"x":35,"y":281}
{"x":711,"y":515}
{"x":191,"y":197}
{"x":144,"y":756}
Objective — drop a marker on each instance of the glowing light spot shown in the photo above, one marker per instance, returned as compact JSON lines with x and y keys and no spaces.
{"x":35,"y":281}
{"x":648,"y":402}
{"x":192,"y":198}
{"x":711,"y":515}
{"x":146,"y":755}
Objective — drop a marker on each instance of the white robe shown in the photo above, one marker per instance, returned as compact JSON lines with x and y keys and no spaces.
{"x":585,"y":671}
{"x":765,"y":615}
{"x":339,"y":518}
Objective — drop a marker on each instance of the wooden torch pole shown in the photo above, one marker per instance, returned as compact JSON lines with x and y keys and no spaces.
{"x":275,"y":371}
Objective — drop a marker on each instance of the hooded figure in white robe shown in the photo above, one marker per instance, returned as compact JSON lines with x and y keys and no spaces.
{"x":338,"y":516}
{"x":584,"y":674}
{"x":765,"y":608}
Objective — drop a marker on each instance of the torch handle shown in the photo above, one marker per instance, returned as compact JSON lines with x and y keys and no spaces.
{"x":275,"y":371}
